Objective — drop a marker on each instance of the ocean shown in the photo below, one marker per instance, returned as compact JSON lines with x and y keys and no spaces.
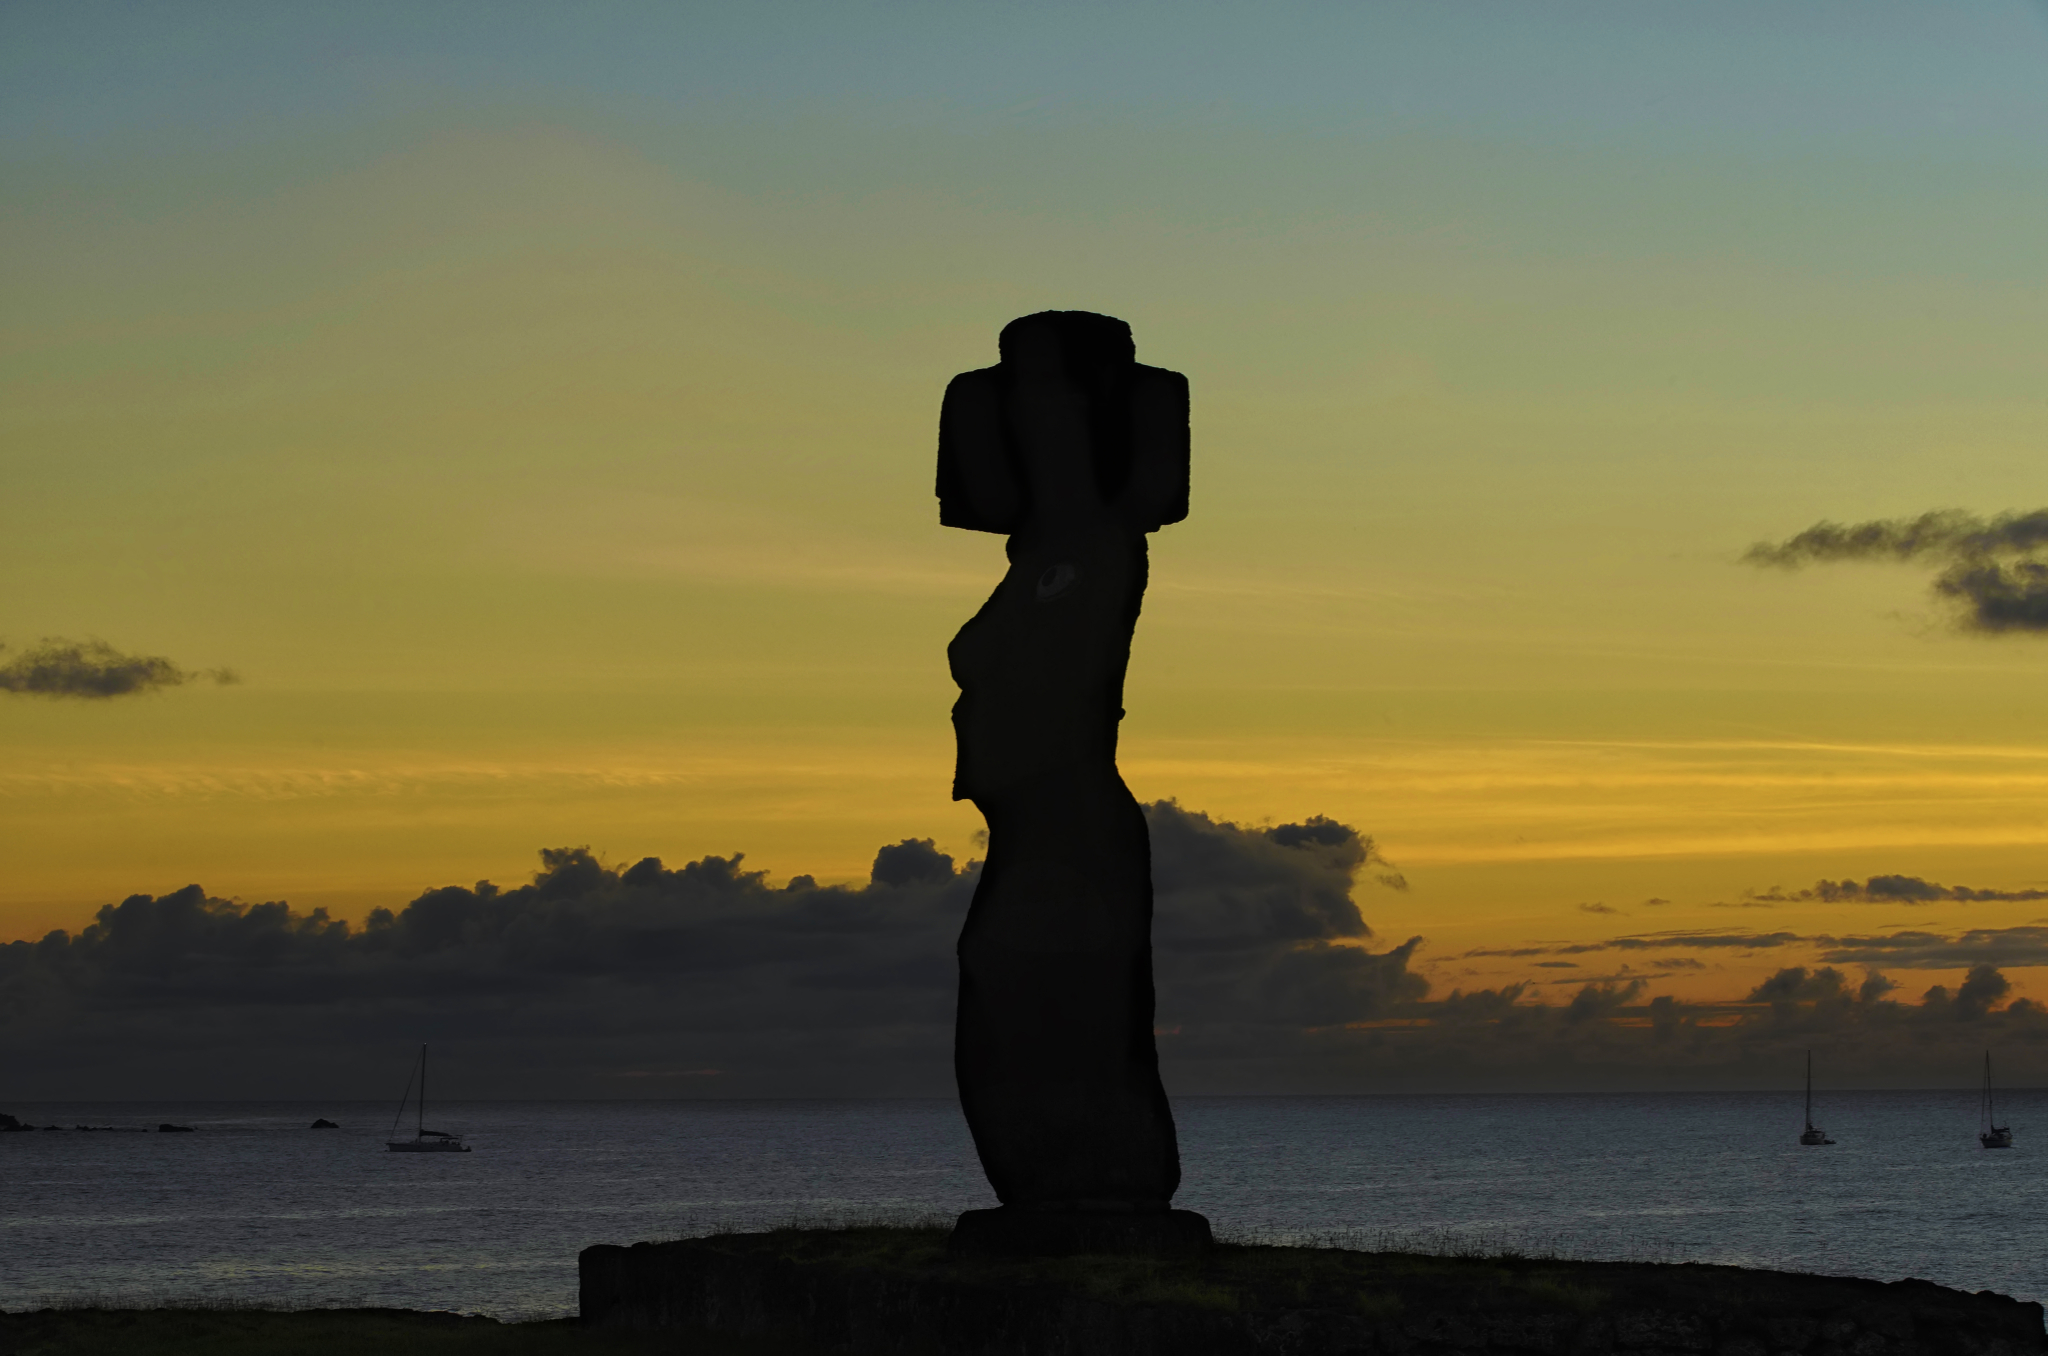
{"x":255,"y":1206}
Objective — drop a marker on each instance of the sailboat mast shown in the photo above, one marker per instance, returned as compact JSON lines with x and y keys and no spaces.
{"x":1809,"y":1089}
{"x":1990,"y":1113}
{"x":420,"y":1126}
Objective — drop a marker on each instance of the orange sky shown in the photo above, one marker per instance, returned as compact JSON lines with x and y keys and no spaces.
{"x":543,"y":432}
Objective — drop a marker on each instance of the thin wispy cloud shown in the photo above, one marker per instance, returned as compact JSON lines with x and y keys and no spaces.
{"x":1890,"y":890}
{"x":95,"y":671}
{"x":1995,"y":569}
{"x":1685,"y":939}
{"x":1913,"y":949}
{"x":2026,"y":945}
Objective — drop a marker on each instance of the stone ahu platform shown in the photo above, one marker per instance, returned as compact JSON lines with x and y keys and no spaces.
{"x":896,"y":1290}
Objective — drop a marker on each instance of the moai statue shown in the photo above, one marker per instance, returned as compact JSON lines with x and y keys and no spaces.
{"x":1074,"y":451}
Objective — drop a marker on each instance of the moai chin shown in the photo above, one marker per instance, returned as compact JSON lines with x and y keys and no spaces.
{"x":1075,"y":451}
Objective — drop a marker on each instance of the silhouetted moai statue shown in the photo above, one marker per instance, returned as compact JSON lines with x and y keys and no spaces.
{"x":1076,"y":452}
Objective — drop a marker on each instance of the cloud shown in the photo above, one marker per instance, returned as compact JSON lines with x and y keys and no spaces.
{"x":2020,"y":946}
{"x":1617,"y":1033}
{"x":1706,"y":939}
{"x":1943,"y":533}
{"x":641,"y":979}
{"x":1601,"y":1000}
{"x":1794,"y":984}
{"x":1601,"y":908}
{"x":1981,"y":988}
{"x":1355,"y":852}
{"x":1256,"y":937}
{"x":1992,"y":567}
{"x":1828,"y":990}
{"x":1700,"y":940}
{"x":908,"y":862}
{"x":598,"y":976}
{"x":93,"y":669}
{"x":1891,"y":890}
{"x":2016,"y":946}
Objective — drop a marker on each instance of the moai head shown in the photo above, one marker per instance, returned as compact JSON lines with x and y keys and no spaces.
{"x":1069,"y":432}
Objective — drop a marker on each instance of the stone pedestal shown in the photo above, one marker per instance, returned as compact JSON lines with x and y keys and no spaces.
{"x":888,"y":1292}
{"x":1010,"y":1232}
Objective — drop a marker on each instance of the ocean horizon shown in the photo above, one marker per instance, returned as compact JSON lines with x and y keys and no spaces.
{"x":255,"y":1206}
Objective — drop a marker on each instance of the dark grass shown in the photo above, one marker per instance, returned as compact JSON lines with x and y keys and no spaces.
{"x":244,"y":1330}
{"x":1375,"y":1274}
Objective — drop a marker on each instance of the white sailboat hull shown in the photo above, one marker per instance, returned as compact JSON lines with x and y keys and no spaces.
{"x":425,"y":1146}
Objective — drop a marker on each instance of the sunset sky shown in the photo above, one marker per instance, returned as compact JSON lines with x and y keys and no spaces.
{"x":535,"y":405}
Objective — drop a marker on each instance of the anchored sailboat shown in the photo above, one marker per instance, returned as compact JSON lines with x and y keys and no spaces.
{"x":1993,"y":1135}
{"x":1812,"y":1134}
{"x":423,"y":1141}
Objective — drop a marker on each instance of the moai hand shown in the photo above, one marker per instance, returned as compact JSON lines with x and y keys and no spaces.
{"x":1075,"y":451}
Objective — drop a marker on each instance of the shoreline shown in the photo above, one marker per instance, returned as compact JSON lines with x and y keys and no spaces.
{"x":253,"y":1330}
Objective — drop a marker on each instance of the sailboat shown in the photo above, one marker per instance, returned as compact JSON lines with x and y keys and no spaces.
{"x":1812,"y":1134}
{"x":1994,"y":1135}
{"x":423,"y":1141}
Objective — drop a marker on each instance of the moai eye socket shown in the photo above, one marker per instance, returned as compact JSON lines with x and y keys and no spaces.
{"x":1056,"y":580}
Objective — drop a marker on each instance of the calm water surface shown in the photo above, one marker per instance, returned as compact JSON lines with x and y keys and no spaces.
{"x":254,"y":1205}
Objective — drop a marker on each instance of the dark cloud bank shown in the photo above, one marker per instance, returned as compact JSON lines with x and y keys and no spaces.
{"x":94,"y":670}
{"x":599,"y":980}
{"x":1993,"y":568}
